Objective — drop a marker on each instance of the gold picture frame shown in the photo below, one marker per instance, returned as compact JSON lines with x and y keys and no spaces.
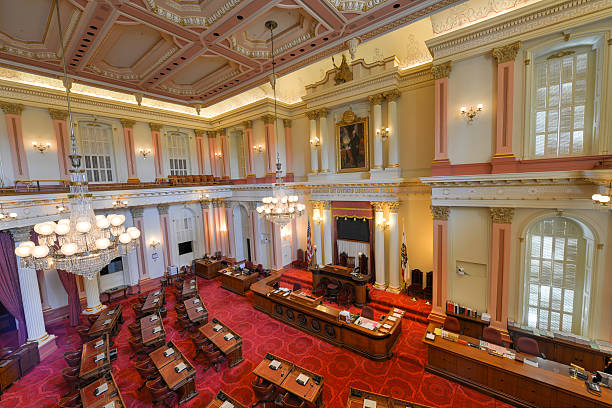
{"x":352,"y":147}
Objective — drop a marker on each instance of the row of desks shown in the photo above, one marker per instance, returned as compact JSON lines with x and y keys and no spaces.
{"x":359,"y":398}
{"x":237,"y":281}
{"x":196,"y":311}
{"x":168,"y":359}
{"x":217,"y":333}
{"x":190,"y":288}
{"x":92,"y":395}
{"x":152,"y":330}
{"x":90,"y":368}
{"x":154,"y":302}
{"x":107,"y":323}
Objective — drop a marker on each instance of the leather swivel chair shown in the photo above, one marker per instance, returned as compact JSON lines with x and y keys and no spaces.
{"x":492,"y":336}
{"x":451,"y":324}
{"x":367,"y":312}
{"x":71,"y":376}
{"x":73,"y":358}
{"x":529,"y":346}
{"x":264,"y":391}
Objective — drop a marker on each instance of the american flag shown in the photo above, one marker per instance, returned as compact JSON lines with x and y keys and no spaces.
{"x":308,"y":244}
{"x":404,"y":259}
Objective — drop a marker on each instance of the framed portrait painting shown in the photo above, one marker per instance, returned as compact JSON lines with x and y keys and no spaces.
{"x":352,"y":143}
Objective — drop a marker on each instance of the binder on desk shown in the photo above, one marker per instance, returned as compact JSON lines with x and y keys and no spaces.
{"x":101,"y":389}
{"x":302,"y":379}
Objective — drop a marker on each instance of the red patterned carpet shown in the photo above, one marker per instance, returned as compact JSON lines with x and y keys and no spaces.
{"x":403,"y":376}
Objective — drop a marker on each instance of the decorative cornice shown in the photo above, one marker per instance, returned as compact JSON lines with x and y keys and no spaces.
{"x":440,"y":213}
{"x":11,"y":108}
{"x":443,"y":70}
{"x":376,"y":99}
{"x":21,"y":234}
{"x":391,"y":96}
{"x":268,"y":119}
{"x":506,"y":53}
{"x":155,"y":127}
{"x":58,"y":114}
{"x":163,"y":209}
{"x":322,"y":113}
{"x":199,"y":132}
{"x":128,"y":123}
{"x":137,"y":212}
{"x":248,"y":124}
{"x":393,"y":206}
{"x":287,"y":123}
{"x":502,"y":215}
{"x":312,"y":115}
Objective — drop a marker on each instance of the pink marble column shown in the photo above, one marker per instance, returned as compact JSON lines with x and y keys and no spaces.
{"x":207,"y":227}
{"x":254,"y":220}
{"x":158,"y":156}
{"x":137,"y":218}
{"x":130,"y":152}
{"x":219,"y":226}
{"x":12,"y":113}
{"x":288,"y":151}
{"x":250,"y":164}
{"x":60,"y":127}
{"x":270,"y":149}
{"x":199,"y":137}
{"x":212,"y":149}
{"x":277,"y":250}
{"x":503,"y":159}
{"x":229,"y":221}
{"x":440,"y":73}
{"x":294,"y":240}
{"x":500,"y":269}
{"x":164,"y":221}
{"x":440,"y":263}
{"x":225,"y":158}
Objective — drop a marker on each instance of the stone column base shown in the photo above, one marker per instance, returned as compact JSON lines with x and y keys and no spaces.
{"x":393,"y":290}
{"x":94,"y":310}
{"x":381,"y":286}
{"x":46,"y":345}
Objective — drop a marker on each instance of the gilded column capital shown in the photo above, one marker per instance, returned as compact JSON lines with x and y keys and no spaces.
{"x":268,"y":119}
{"x":440,"y":213}
{"x":156,"y":127}
{"x":21,"y":234}
{"x":198,"y":132}
{"x":376,"y":99}
{"x":393,"y":206}
{"x":392,"y":96}
{"x":287,"y":123}
{"x":317,"y":204}
{"x":128,"y":123}
{"x":248,"y":124}
{"x":379,"y":206}
{"x":211,"y":134}
{"x":163,"y":209}
{"x":326,"y":205}
{"x":252,"y":205}
{"x":11,"y":108}
{"x":443,"y":70}
{"x":222,"y":132}
{"x":58,"y":114}
{"x":312,"y":115}
{"x":506,"y":53}
{"x":502,"y":215}
{"x":137,"y":212}
{"x":322,"y":113}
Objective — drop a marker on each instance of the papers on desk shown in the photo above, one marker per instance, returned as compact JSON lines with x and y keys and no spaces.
{"x":397,"y":315}
{"x":156,"y":329}
{"x":199,"y":309}
{"x":368,"y":403}
{"x":169,"y":352}
{"x":110,"y":312}
{"x":367,"y":323}
{"x":180,"y":367}
{"x":107,"y":321}
{"x":101,"y":389}
{"x":302,"y":379}
{"x":109,"y":405}
{"x":155,"y":300}
{"x":392,"y":318}
{"x":192,"y":287}
{"x":430,"y":336}
{"x":399,"y":311}
{"x":192,"y":281}
{"x":99,"y":357}
{"x":196,"y":301}
{"x":530,"y":362}
{"x":228,"y":273}
{"x":217,"y":327}
{"x":153,"y":318}
{"x":156,"y":293}
{"x":274,"y":365}
{"x":286,"y":294}
{"x":99,"y":344}
{"x":228,"y":336}
{"x":386,"y":326}
{"x":227,"y":404}
{"x":276,"y":291}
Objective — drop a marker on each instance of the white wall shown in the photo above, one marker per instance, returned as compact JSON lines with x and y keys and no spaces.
{"x":37,"y":126}
{"x":152,"y":230}
{"x":145,"y":167}
{"x":259,"y":138}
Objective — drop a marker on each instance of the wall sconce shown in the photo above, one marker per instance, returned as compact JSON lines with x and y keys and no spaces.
{"x":471,"y":114}
{"x":61,"y":208}
{"x":223,"y":228}
{"x":218,"y":155}
{"x":145,"y":152}
{"x":383,"y":223}
{"x":315,"y":141}
{"x":4,"y":216}
{"x":285,"y":233}
{"x":154,"y":243}
{"x":119,"y":204}
{"x":41,"y":147}
{"x":316,"y":216}
{"x":258,"y":148}
{"x":383,"y":133}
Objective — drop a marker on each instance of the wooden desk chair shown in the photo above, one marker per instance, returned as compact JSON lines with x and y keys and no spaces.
{"x":186,"y":324}
{"x":491,"y":335}
{"x":367,"y":312}
{"x":71,"y":376}
{"x":264,"y":391}
{"x":142,"y":298}
{"x":134,"y":329}
{"x":83,"y":332}
{"x":161,"y":394}
{"x":136,"y":346}
{"x":91,"y":319}
{"x":350,"y":261}
{"x":214,"y":358}
{"x":137,"y":310}
{"x":529,"y":346}
{"x":345,"y":296}
{"x":297,"y":286}
{"x":73,"y":358}
{"x":428,"y":290}
{"x":343,"y":258}
{"x":70,"y":401}
{"x":148,"y":372}
{"x":321,"y":288}
{"x":291,"y":401}
{"x":363,"y":264}
{"x":416,"y":282}
{"x":142,"y":358}
{"x":332,"y":290}
{"x":451,"y":324}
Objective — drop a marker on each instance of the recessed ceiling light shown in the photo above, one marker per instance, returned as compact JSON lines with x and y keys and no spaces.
{"x":396,"y":5}
{"x":239,"y":17}
{"x":93,"y":27}
{"x":216,"y":34}
{"x":301,"y":50}
{"x":293,"y":55}
{"x":325,"y":38}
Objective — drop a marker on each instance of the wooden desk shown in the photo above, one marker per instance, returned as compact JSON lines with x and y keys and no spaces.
{"x":357,"y":397}
{"x":197,"y":312}
{"x":343,"y":274}
{"x":183,"y":382}
{"x":193,"y":302}
{"x":113,"y":291}
{"x":237,"y":282}
{"x":231,"y":348}
{"x":90,"y":400}
{"x":160,"y":360}
{"x":190,"y":288}
{"x":285,"y":377}
{"x":90,"y":369}
{"x":147,"y":322}
{"x":149,"y":338}
{"x":322,"y":321}
{"x":548,"y":385}
{"x":154,"y":301}
{"x":207,"y":269}
{"x":9,"y":373}
{"x":222,"y":397}
{"x":470,"y":326}
{"x":107,"y":323}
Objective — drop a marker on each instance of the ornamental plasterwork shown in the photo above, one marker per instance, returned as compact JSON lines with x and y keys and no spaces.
{"x":127,"y":123}
{"x":502,"y":215}
{"x":114,"y":75}
{"x":440,"y":213}
{"x":11,"y":108}
{"x":521,"y":24}
{"x":440,"y":71}
{"x":58,"y":114}
{"x":506,"y":53}
{"x":192,"y":20}
{"x":355,"y":5}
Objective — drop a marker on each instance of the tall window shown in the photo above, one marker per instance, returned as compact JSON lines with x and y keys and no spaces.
{"x":563,"y":102}
{"x":178,"y":153}
{"x":184,"y":232}
{"x":97,"y":150}
{"x":558,"y":275}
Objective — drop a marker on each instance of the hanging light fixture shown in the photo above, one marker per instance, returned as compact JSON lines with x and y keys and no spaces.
{"x":84,"y":243}
{"x":603,"y":200}
{"x":281,"y":207}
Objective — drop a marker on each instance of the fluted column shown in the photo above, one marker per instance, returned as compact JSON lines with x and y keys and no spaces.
{"x":314,"y":152}
{"x":212,"y":149}
{"x":44,"y":295}
{"x":379,"y":244}
{"x":270,"y":148}
{"x":92,"y":292}
{"x":137,"y":218}
{"x":255,"y":231}
{"x":317,"y":213}
{"x":60,"y":127}
{"x":231,"y":237}
{"x":199,"y":138}
{"x":393,"y":125}
{"x":500,"y":268}
{"x":158,"y":156}
{"x":440,"y":262}
{"x":376,"y":102}
{"x":212,"y":228}
{"x":164,"y":221}
{"x":294,"y":241}
{"x":206,"y":227}
{"x":325,"y":140}
{"x":130,"y":151}
{"x":394,"y":249}
{"x":225,"y":158}
{"x":249,"y":146}
{"x":277,"y":247}
{"x":221,"y":228}
{"x":12,"y":114}
{"x":30,"y":297}
{"x":441,"y":73}
{"x":328,"y":238}
{"x":288,"y":150}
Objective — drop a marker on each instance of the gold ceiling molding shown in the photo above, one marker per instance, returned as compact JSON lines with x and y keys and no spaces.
{"x":393,"y":206}
{"x":506,"y":53}
{"x":11,"y":108}
{"x":58,"y":114}
{"x":440,"y":213}
{"x":502,"y":215}
{"x":443,"y":70}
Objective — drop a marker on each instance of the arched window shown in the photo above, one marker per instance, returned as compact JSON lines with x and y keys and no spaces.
{"x":178,"y":153}
{"x":558,"y":268}
{"x":97,"y":150}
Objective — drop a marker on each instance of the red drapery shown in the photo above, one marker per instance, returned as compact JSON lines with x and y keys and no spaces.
{"x":353,"y":209}
{"x":10,"y":290}
{"x":74,"y":303}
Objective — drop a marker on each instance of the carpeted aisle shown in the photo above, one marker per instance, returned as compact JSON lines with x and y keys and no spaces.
{"x":403,"y":376}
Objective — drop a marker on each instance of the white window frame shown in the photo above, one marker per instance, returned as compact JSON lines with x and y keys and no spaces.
{"x":595,"y":39}
{"x":86,"y":151}
{"x":177,"y":154}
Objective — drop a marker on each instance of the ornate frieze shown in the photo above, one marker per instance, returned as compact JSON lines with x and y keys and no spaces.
{"x":317,"y":204}
{"x":502,"y":215}
{"x":378,"y":206}
{"x":11,"y":108}
{"x":322,"y":113}
{"x":222,"y":132}
{"x":393,"y":206}
{"x":199,"y":132}
{"x":440,"y":213}
{"x":443,"y":70}
{"x":128,"y":123}
{"x":506,"y":53}
{"x":156,"y":127}
{"x":211,"y":134}
{"x":268,"y":119}
{"x":58,"y":114}
{"x":312,"y":115}
{"x":21,"y":234}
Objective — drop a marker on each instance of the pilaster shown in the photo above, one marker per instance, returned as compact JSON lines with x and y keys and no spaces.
{"x":288,"y":151}
{"x":130,"y":151}
{"x":12,"y":112}
{"x":60,"y":128}
{"x":328,"y":238}
{"x":379,"y":244}
{"x":158,"y":158}
{"x":164,"y":221}
{"x":324,"y":140}
{"x":440,"y":262}
{"x":314,"y":151}
{"x":441,"y":73}
{"x":199,"y":138}
{"x":393,"y":125}
{"x":395,"y":280}
{"x":137,"y":219}
{"x":270,"y":148}
{"x":250,"y":147}
{"x":500,"y":268}
{"x":376,"y":103}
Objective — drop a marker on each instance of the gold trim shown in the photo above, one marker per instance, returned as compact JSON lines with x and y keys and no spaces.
{"x":41,"y":338}
{"x":393,"y":166}
{"x":95,"y":309}
{"x":504,"y":155}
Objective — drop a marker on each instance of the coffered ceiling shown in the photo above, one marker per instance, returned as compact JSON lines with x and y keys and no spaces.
{"x":190,"y":51}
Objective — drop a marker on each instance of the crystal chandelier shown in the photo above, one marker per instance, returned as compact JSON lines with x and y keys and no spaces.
{"x":280,"y":208}
{"x":84,"y":243}
{"x":602,"y":200}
